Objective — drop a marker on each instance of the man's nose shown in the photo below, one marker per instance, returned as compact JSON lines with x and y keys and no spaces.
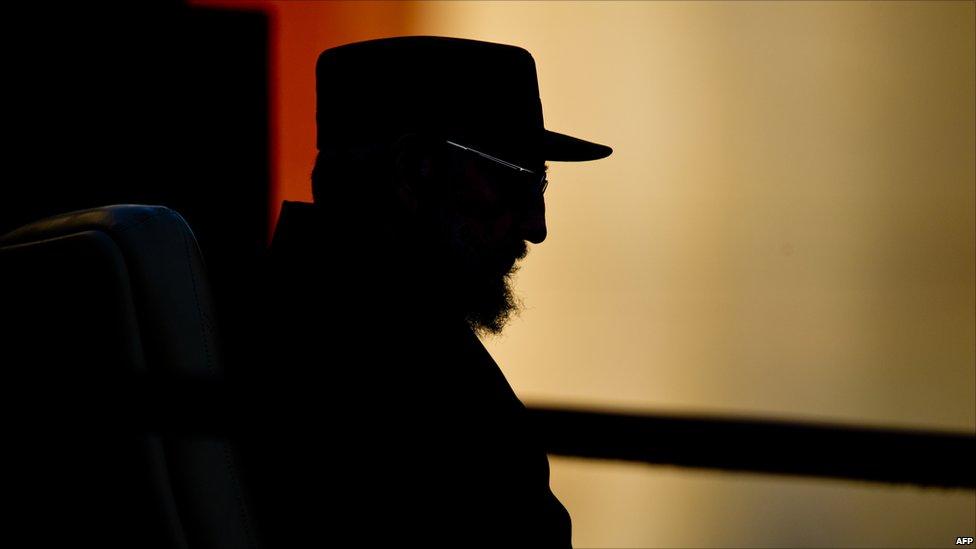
{"x":533,"y":223}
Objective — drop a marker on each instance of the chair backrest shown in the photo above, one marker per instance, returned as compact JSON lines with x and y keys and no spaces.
{"x":92,"y":300}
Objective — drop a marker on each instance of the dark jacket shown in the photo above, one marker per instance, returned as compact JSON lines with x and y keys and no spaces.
{"x":400,"y":426}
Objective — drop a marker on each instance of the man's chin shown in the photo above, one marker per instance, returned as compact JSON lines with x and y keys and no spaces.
{"x":484,"y":290}
{"x":493,"y":305}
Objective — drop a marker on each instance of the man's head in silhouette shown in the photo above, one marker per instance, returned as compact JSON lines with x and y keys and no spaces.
{"x":443,"y":139}
{"x":478,"y":214}
{"x":465,"y":219}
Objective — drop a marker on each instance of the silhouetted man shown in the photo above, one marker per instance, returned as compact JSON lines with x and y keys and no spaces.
{"x":428,"y":183}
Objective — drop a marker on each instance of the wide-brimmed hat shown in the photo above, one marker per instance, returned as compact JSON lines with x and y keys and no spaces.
{"x":478,"y":93}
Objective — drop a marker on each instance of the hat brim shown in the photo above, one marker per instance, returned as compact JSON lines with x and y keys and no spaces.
{"x":564,"y":148}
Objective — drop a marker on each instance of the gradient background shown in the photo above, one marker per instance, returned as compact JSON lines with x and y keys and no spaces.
{"x":787,"y":228}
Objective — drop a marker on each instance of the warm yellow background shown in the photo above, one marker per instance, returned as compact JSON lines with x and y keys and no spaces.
{"x":787,"y":224}
{"x":786,"y":228}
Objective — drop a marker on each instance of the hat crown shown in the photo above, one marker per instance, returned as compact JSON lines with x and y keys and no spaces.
{"x":372,"y":91}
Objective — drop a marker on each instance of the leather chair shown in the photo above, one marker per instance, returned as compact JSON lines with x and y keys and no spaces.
{"x":97,"y":306}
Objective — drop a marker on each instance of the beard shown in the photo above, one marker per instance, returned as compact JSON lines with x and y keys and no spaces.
{"x":479,"y":281}
{"x":489,"y":300}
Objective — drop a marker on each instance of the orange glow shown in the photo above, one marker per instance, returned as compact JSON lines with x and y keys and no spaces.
{"x":298,"y":32}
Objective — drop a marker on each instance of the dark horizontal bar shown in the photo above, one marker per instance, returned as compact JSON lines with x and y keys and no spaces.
{"x":203,"y":406}
{"x":925,"y":458}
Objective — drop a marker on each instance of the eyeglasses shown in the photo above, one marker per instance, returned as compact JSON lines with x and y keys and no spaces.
{"x":537,"y":183}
